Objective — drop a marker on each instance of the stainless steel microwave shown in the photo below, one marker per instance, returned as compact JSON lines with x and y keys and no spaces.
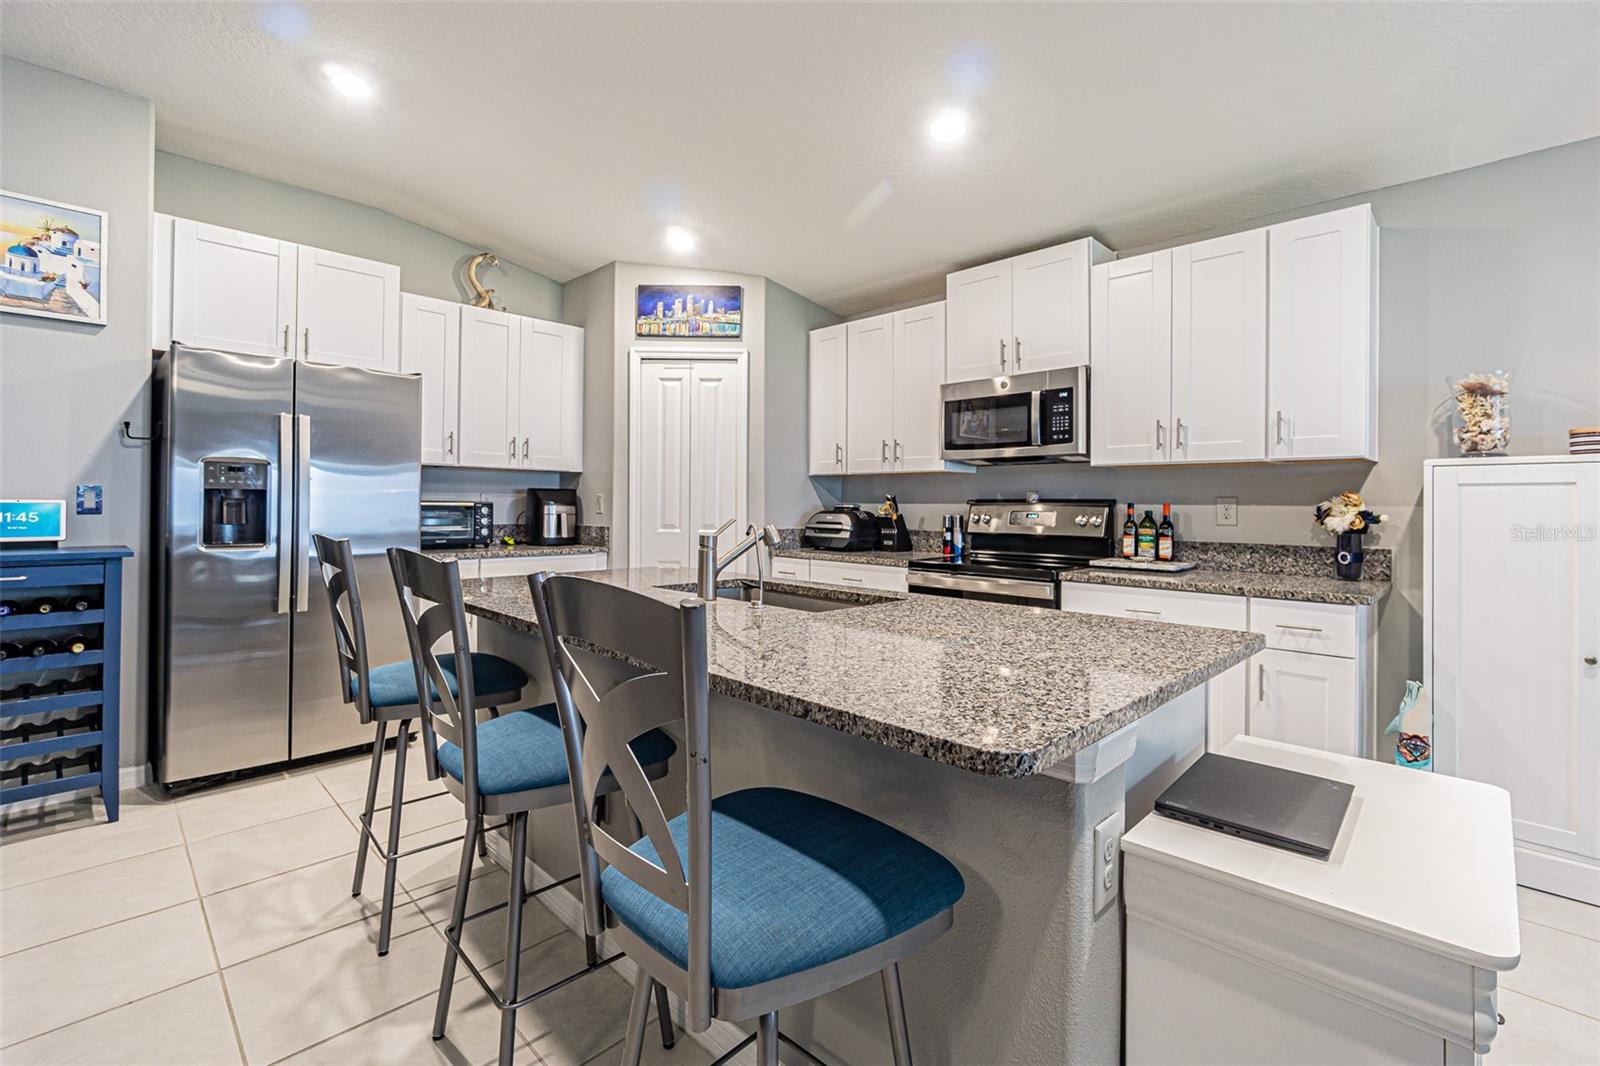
{"x":1025,"y":418}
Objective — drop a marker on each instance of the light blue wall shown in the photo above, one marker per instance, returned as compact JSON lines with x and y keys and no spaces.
{"x":430,"y":263}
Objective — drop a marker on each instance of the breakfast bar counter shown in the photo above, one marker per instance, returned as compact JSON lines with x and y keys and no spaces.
{"x":1003,"y":736}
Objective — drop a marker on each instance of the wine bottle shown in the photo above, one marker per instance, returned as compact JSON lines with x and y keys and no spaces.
{"x":12,"y":650}
{"x":76,"y":644}
{"x":7,"y":607}
{"x":77,"y":602}
{"x":1166,"y":534}
{"x":43,"y":606}
{"x":41,"y":647}
{"x":1130,"y":533}
{"x":1146,"y":536}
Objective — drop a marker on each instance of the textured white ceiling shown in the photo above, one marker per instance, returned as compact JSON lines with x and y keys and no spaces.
{"x":790,"y":136}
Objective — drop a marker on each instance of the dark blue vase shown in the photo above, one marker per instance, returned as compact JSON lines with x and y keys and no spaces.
{"x":1347,"y":556}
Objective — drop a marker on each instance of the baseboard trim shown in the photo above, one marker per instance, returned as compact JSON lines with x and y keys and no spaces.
{"x":1572,"y":876}
{"x":719,"y":1039}
{"x":132,"y":777}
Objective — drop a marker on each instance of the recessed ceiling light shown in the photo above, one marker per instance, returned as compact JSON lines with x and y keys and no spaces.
{"x":347,"y":82}
{"x":949,"y":125}
{"x":678,"y":239}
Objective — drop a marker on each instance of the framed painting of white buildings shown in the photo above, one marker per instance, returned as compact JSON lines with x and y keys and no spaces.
{"x":54,"y":259}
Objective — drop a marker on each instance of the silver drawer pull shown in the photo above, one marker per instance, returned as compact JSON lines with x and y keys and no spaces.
{"x":851,"y":580}
{"x":1140,"y":610}
{"x":1303,"y":629}
{"x":19,"y":577}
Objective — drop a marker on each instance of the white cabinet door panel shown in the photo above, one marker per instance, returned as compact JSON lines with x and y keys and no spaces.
{"x":1219,"y":349}
{"x":1321,"y":344}
{"x":552,"y":396}
{"x":859,"y":575}
{"x":430,"y":345}
{"x":978,"y":310}
{"x":919,"y":347}
{"x":664,"y":523}
{"x":827,"y":401}
{"x":1050,"y":308}
{"x":1305,"y":699}
{"x":348,"y":310}
{"x":1131,"y":363}
{"x":232,"y":291}
{"x":490,"y":343}
{"x":869,"y":405}
{"x":716,"y":454}
{"x":1515,"y":611}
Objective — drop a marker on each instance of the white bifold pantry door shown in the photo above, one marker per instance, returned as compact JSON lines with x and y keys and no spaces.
{"x":689,"y":457}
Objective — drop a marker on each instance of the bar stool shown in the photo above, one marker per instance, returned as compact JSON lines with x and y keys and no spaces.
{"x":508,"y":766}
{"x":745,"y":905}
{"x":385,"y":694}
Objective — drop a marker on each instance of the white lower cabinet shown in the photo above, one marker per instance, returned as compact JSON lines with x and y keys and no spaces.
{"x":828,"y":572}
{"x":1312,"y":685}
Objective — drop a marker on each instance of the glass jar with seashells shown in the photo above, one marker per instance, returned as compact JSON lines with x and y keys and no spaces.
{"x":1483,"y":413}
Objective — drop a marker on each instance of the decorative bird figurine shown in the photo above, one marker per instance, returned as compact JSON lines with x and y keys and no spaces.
{"x":481,"y":297}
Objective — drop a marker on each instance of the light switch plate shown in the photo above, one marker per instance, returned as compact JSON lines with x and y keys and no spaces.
{"x":599,"y":503}
{"x":1108,"y":859}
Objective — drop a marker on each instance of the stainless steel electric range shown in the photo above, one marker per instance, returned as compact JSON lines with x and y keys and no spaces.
{"x":1016,"y":550}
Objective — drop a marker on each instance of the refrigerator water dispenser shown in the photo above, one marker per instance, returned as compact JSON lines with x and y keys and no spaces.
{"x":235,"y":505}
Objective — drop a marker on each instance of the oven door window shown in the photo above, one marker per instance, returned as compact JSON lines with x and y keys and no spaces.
{"x":446,"y":522}
{"x":989,"y":422}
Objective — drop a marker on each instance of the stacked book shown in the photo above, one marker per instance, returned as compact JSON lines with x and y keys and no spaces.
{"x":1585,"y":440}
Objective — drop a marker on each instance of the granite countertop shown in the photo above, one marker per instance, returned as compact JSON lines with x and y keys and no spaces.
{"x":872,"y":558}
{"x":1304,"y":587}
{"x":1000,"y":690}
{"x":515,"y":551}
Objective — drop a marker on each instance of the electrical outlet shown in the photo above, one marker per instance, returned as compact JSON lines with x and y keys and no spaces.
{"x":599,"y":503}
{"x":1227,"y":510}
{"x":1108,"y":859}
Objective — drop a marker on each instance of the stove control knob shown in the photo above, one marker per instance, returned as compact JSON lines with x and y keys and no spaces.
{"x":986,"y":519}
{"x":1097,"y":521}
{"x":1082,"y":520}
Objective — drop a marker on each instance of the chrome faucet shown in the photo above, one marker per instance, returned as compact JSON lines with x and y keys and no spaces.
{"x":712,"y":565}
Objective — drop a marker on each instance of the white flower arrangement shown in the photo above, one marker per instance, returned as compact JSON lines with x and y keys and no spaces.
{"x":1347,"y":513}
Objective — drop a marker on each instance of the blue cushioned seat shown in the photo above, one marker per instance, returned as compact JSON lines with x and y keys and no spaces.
{"x":524,"y":750}
{"x":796,"y":882}
{"x":395,"y":684}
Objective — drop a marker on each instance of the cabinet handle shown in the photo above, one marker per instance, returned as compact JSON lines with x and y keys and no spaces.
{"x":838,"y":454}
{"x":1161,"y":436}
{"x":1590,"y":660}
{"x":1277,"y":425}
{"x":450,"y":443}
{"x":308,"y":340}
{"x":1002,"y":353}
{"x":899,"y":453}
{"x":524,"y":447}
{"x":511,"y":448}
{"x":1261,"y":682}
{"x":286,"y":338}
{"x":885,"y":452}
{"x":1178,"y":435}
{"x":1303,"y":629}
{"x":850,"y":580}
{"x":1016,"y":351}
{"x":1141,"y":610}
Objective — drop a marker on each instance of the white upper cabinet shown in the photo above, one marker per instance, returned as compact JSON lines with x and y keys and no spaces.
{"x":1023,"y":314}
{"x":491,"y":343}
{"x":550,"y":412}
{"x":430,"y":345}
{"x":978,"y":310}
{"x":827,"y":406}
{"x":869,"y":406}
{"x":348,"y":310}
{"x":919,"y":355}
{"x":241,"y":292}
{"x":1322,"y":349}
{"x":232,"y":291}
{"x":1219,"y":349}
{"x":1050,"y":305}
{"x":1131,"y":370}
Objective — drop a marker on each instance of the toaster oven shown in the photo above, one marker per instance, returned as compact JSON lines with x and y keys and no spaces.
{"x":456,"y":524}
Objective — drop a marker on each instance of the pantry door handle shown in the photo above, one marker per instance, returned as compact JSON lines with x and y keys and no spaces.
{"x":1303,"y":629}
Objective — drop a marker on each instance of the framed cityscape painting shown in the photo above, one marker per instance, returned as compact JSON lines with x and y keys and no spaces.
{"x":54,"y":259}
{"x":709,"y":312}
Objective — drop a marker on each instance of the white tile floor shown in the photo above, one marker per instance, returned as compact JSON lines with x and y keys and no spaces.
{"x":219,"y":928}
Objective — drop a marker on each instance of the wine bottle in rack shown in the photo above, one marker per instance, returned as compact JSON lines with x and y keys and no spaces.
{"x":8,"y":607}
{"x":11,"y":649}
{"x":42,"y":647}
{"x":77,"y":602}
{"x":43,"y":606}
{"x":76,"y":644}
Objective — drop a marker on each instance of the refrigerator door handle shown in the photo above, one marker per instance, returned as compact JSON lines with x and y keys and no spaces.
{"x":302,"y":539}
{"x":286,"y":537}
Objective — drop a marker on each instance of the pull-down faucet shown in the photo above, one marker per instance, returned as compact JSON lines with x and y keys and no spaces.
{"x":711,"y":565}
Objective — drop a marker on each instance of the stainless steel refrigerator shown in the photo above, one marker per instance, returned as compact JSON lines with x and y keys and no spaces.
{"x":257,"y":453}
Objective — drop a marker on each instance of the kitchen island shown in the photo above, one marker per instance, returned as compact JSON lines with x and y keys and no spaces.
{"x":1001,"y":735}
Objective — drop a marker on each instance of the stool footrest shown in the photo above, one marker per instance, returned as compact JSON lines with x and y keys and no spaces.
{"x":453,"y":942}
{"x":727,"y":1056}
{"x":526,"y":896}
